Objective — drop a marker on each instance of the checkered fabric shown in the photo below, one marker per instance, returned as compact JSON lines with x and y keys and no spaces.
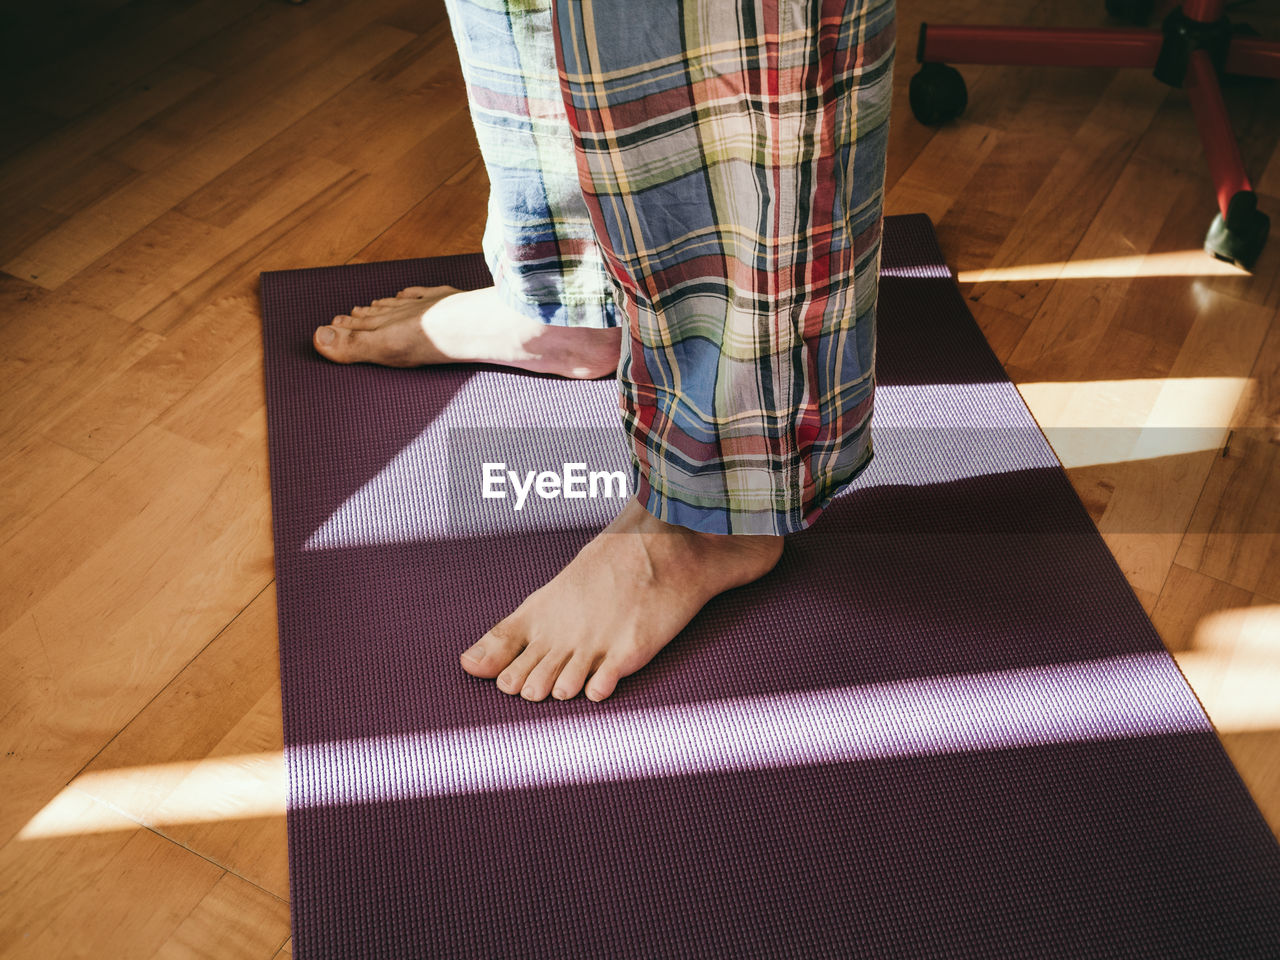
{"x":730,"y":160}
{"x":538,"y":241}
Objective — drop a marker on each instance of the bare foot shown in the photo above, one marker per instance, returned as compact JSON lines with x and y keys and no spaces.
{"x":618,"y":602}
{"x":425,"y":325}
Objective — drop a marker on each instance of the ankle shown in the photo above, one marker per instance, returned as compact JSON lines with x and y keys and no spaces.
{"x":755,"y":550}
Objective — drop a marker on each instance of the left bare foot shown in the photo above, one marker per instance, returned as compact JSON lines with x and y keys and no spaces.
{"x":619,"y":601}
{"x":427,"y":325}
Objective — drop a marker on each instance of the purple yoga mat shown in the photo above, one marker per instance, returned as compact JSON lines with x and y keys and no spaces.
{"x":942,"y":727}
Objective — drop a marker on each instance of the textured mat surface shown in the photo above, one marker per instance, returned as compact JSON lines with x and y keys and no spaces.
{"x":943,"y":727}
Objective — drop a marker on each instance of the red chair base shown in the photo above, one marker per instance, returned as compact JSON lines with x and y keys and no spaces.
{"x":1195,"y":43}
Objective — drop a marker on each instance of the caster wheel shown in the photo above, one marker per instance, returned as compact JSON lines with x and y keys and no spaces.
{"x":937,"y":94}
{"x":1238,"y":238}
{"x":1131,"y":11}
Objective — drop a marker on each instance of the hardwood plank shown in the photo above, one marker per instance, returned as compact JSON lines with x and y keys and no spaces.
{"x":39,"y":878}
{"x":96,"y":637}
{"x":1234,"y":534}
{"x":1154,"y":498}
{"x":272,"y":49}
{"x":194,"y":713}
{"x":27,"y":214}
{"x":1233,"y":663}
{"x":941,"y":171}
{"x":1151,"y":485}
{"x":284,"y":35}
{"x":228,"y":267}
{"x":1187,"y":597}
{"x":226,"y":406}
{"x":56,"y":346}
{"x":332,"y":228}
{"x":23,"y":126}
{"x":1227,"y":643}
{"x":24,"y":223}
{"x":235,"y":919}
{"x":1254,"y":754}
{"x":175,"y":249}
{"x":287,"y":70}
{"x":254,"y":847}
{"x":33,"y":475}
{"x":135,"y":50}
{"x":41,"y":167}
{"x":121,"y":406}
{"x":1060,"y":213}
{"x":1001,"y":329}
{"x":121,"y":910}
{"x":1075,"y":316}
{"x":459,"y":202}
{"x":101,"y":226}
{"x":143,"y":261}
{"x":976,"y":224}
{"x":126,"y":482}
{"x":224,"y":704}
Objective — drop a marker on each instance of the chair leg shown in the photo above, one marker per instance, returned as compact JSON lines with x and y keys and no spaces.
{"x":1220,"y":146}
{"x":1239,"y":231}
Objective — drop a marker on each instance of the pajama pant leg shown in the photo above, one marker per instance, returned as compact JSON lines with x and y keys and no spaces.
{"x":716,"y":185}
{"x":538,"y":241}
{"x":732,"y":159}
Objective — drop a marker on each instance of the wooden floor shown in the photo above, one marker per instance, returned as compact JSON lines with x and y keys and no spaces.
{"x":150,"y":170}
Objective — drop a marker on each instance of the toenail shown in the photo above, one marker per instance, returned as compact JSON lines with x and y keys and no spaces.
{"x":475,"y":653}
{"x":326,"y":335}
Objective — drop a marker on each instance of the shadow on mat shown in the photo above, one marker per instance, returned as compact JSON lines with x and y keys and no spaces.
{"x":893,"y":583}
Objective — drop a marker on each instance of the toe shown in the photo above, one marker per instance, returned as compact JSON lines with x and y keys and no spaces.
{"x":378,"y":309}
{"x":604,"y":681}
{"x":569,"y":684}
{"x":490,"y":655}
{"x":538,"y":684}
{"x":336,"y":343}
{"x":355,"y":320}
{"x":413,"y":293}
{"x":512,"y":679}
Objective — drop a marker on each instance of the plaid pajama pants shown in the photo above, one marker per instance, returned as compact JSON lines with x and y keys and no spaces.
{"x":708,"y":175}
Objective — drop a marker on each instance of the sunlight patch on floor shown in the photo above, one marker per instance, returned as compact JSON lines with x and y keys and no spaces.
{"x":1234,"y":667}
{"x":1090,"y":422}
{"x":1172,"y":263}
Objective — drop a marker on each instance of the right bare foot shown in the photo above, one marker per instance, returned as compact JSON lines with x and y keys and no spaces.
{"x":623,"y":598}
{"x":426,"y":325}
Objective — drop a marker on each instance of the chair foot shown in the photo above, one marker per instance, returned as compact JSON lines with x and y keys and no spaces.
{"x":1239,"y":236}
{"x":937,"y":94}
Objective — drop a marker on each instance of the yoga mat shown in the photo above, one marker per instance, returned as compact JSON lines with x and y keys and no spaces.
{"x":942,"y":727}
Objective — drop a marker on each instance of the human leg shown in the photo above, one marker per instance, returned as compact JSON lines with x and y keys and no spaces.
{"x":733,"y":164}
{"x":734,"y":172}
{"x":550,"y":308}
